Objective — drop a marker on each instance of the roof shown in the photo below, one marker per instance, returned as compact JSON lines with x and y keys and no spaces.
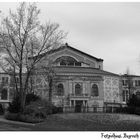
{"x":71,"y":48}
{"x":83,"y":70}
{"x":127,"y":75}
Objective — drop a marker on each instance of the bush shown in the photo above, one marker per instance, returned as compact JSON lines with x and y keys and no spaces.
{"x":11,"y":116}
{"x":137,"y":110}
{"x":1,"y":109}
{"x":31,"y":98}
{"x":22,"y":118}
{"x":39,"y":108}
{"x":14,"y":106}
{"x":57,"y":110}
{"x":131,"y":109}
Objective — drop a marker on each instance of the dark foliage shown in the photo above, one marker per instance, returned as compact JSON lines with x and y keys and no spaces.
{"x":14,"y":106}
{"x":57,"y":110}
{"x":22,"y":118}
{"x":1,"y":109}
{"x":31,"y":98}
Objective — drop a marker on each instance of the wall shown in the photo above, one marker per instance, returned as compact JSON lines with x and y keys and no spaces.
{"x":112,"y":89}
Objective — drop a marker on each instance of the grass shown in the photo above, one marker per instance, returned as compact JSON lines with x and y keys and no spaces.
{"x":82,"y":122}
{"x":91,"y":122}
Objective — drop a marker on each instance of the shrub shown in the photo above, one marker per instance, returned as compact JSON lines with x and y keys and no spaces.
{"x":1,"y":109}
{"x":39,"y":108}
{"x":137,"y":110}
{"x":31,"y":98}
{"x":14,"y":106}
{"x":131,"y":109}
{"x":11,"y":116}
{"x":57,"y":110}
{"x":22,"y":118}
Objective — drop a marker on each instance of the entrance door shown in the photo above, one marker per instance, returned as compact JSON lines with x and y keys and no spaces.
{"x":78,"y":106}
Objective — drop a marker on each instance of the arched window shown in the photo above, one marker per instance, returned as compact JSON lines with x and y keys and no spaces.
{"x":4,"y":94}
{"x":60,"y":90}
{"x":94,"y":90}
{"x":78,"y":89}
{"x":67,"y":61}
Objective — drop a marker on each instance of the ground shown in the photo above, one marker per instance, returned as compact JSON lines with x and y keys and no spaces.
{"x":81,"y":122}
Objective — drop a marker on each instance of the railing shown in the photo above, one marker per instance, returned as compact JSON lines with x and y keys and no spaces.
{"x":79,"y":95}
{"x":92,"y":110}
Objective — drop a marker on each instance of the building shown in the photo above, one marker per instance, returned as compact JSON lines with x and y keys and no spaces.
{"x":130,"y":85}
{"x":79,"y":80}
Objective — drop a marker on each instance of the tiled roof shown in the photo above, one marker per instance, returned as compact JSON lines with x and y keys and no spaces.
{"x":74,"y":49}
{"x":83,"y":70}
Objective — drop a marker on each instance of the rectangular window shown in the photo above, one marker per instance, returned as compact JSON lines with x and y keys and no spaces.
{"x":136,"y":82}
{"x":123,"y":82}
{"x":17,"y":79}
{"x":127,"y":95}
{"x":123,"y":96}
{"x":5,"y":80}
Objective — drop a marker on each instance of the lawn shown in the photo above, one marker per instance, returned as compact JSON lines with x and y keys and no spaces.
{"x":90,"y":122}
{"x":81,"y":122}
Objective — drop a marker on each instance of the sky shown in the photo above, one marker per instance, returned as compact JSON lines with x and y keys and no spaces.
{"x":110,"y":31}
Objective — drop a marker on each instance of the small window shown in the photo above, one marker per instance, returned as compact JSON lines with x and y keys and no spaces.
{"x":123,"y":82}
{"x":60,"y":90}
{"x":62,"y":63}
{"x":77,"y":64}
{"x":94,"y":90}
{"x":70,"y":63}
{"x":17,"y":79}
{"x":4,"y":80}
{"x":123,"y":96}
{"x":4,"y":94}
{"x":138,"y":82}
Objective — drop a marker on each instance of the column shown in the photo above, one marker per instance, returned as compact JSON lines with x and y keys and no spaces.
{"x":70,"y":103}
{"x":74,"y":103}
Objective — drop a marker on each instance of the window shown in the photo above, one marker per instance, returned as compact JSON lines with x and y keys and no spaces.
{"x":17,"y":79}
{"x":4,"y":94}
{"x":62,"y":63}
{"x":67,"y":61}
{"x":78,"y":89}
{"x":138,"y":95}
{"x":5,"y":80}
{"x":137,"y":82}
{"x":94,"y":90}
{"x":77,"y":64}
{"x":125,"y":96}
{"x":60,"y":90}
{"x":123,"y":82}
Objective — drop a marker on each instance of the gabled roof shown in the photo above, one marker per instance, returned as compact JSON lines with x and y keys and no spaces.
{"x":71,"y":48}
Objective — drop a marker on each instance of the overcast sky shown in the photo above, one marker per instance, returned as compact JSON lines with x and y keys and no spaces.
{"x":110,"y":31}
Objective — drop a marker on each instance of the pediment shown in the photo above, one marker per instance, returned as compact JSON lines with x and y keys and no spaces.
{"x":77,"y":55}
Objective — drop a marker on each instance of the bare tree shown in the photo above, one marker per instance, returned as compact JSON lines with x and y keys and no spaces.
{"x":22,"y":36}
{"x":50,"y":73}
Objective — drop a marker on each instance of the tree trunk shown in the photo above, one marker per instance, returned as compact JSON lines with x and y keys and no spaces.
{"x":50,"y":91}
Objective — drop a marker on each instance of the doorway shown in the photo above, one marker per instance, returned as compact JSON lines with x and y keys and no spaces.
{"x":78,"y":106}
